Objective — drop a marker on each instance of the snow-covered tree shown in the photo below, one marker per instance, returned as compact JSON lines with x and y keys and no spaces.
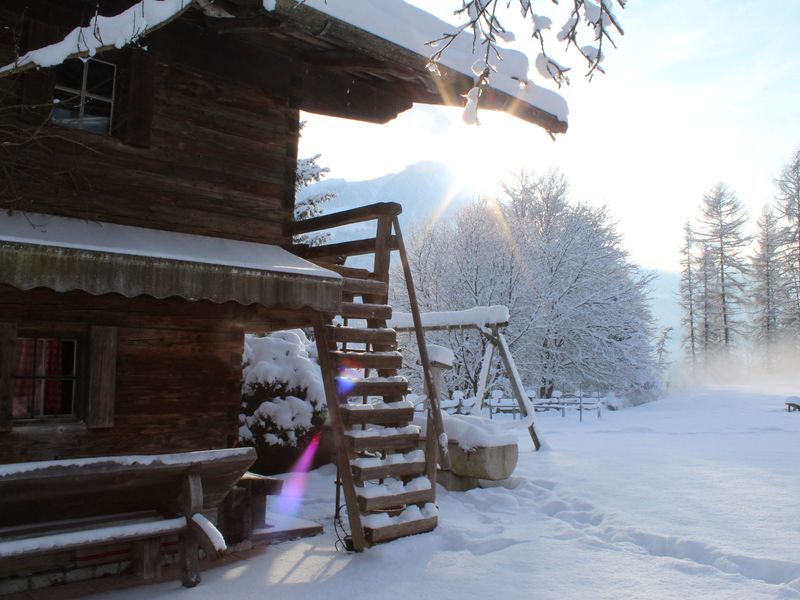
{"x":308,"y":172}
{"x":707,"y":308}
{"x":788,"y":208}
{"x":688,"y":292}
{"x":722,"y":220}
{"x":766,"y":285}
{"x":579,"y":314}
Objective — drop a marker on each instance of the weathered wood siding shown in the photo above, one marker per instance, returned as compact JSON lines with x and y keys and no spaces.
{"x":221,"y":148}
{"x":178,"y":375}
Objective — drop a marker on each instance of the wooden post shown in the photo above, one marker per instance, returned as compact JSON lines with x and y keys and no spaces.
{"x":146,"y":558}
{"x":342,"y":453}
{"x":189,"y":544}
{"x":525,"y":407}
{"x":483,"y":378}
{"x":444,"y":456}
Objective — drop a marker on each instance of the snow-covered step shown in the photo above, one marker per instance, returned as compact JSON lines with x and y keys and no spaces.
{"x":393,"y":493}
{"x":383,"y":336}
{"x":378,"y":413}
{"x":367,"y":360}
{"x":373,"y":386}
{"x":358,"y":310}
{"x":383,"y":439}
{"x":394,"y":466}
{"x":413,"y":520}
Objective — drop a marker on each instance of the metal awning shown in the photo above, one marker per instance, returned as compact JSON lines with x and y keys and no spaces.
{"x":66,"y":254}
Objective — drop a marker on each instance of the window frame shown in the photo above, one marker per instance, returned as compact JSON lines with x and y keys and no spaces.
{"x":83,"y":94}
{"x":82,"y":370}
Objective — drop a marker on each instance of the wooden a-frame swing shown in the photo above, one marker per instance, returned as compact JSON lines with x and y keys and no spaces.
{"x":490,"y":321}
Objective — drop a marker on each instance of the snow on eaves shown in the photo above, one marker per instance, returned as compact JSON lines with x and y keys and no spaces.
{"x":383,"y":18}
{"x":104,"y":32}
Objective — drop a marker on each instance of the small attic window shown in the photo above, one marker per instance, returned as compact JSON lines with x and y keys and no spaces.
{"x":83,"y":96}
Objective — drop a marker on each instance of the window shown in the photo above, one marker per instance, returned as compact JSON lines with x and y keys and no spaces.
{"x":52,"y":373}
{"x":83,"y":95}
{"x":46,"y":379}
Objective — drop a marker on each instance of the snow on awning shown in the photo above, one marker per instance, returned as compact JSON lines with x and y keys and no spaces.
{"x":65,"y":254}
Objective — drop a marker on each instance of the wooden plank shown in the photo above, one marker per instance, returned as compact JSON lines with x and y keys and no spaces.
{"x":434,"y":410}
{"x":340,"y":444}
{"x":362,"y":335}
{"x":354,"y":388}
{"x":357,"y":310}
{"x":367,"y":360}
{"x":345,"y":249}
{"x":516,"y":382}
{"x":347,"y":217}
{"x":8,"y":342}
{"x":137,"y":116}
{"x":342,"y":269}
{"x":384,"y":443}
{"x":398,"y":500}
{"x":392,"y":532}
{"x":358,"y":286}
{"x":102,"y":377}
{"x":395,"y":417}
{"x":362,"y":474}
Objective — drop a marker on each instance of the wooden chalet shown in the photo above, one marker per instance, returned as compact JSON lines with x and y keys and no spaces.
{"x":147,"y":197}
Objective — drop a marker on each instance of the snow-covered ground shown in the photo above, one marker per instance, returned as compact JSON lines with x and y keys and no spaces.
{"x":694,"y":496}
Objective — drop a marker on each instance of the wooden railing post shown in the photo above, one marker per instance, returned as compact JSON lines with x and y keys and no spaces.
{"x":433,"y":396}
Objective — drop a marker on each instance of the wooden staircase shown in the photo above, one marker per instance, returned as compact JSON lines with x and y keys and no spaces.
{"x":388,"y":479}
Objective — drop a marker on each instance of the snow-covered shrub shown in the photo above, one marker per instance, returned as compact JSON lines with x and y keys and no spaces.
{"x":283,"y":400}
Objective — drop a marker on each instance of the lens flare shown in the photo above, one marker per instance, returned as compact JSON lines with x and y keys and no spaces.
{"x":346,"y":381}
{"x":291,"y":497}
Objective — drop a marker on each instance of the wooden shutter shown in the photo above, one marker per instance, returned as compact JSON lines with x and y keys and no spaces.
{"x":8,"y":340}
{"x":135,"y":109}
{"x":37,"y":84}
{"x":102,"y":377}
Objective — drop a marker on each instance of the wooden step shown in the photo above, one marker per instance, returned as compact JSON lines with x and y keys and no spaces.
{"x":345,"y":271}
{"x":394,"y":417}
{"x":396,"y":471}
{"x":383,"y":443}
{"x":391,"y":501}
{"x":358,"y":310}
{"x":367,"y":360}
{"x":360,"y":335}
{"x":377,"y":535}
{"x":359,"y":286}
{"x":345,"y":249}
{"x":374,"y":386}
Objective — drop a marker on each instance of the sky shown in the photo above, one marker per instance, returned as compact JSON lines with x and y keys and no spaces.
{"x":696,"y":93}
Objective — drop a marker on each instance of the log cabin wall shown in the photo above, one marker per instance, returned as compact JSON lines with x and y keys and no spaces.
{"x":204,"y":138}
{"x":178,"y":374}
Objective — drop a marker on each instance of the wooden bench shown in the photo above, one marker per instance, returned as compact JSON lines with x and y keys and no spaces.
{"x":59,"y":506}
{"x":245,"y":507}
{"x":793,"y":406}
{"x":503,"y":406}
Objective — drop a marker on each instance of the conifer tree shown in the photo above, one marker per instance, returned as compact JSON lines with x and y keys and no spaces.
{"x":688,"y":290}
{"x":722,"y":220}
{"x":766,"y":281}
{"x":788,"y":208}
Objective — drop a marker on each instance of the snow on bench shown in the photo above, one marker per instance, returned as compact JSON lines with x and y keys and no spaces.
{"x":128,"y":495}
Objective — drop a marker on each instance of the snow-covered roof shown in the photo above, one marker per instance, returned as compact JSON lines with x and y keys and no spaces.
{"x":413,"y":29}
{"x":404,"y":31}
{"x":61,"y":253}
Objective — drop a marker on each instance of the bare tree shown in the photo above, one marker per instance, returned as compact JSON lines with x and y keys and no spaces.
{"x":722,"y":221}
{"x":788,"y":208}
{"x":688,"y":293}
{"x":765,"y":295}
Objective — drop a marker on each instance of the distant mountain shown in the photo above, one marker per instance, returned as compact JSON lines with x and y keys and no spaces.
{"x":428,"y":188}
{"x":422,"y":188}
